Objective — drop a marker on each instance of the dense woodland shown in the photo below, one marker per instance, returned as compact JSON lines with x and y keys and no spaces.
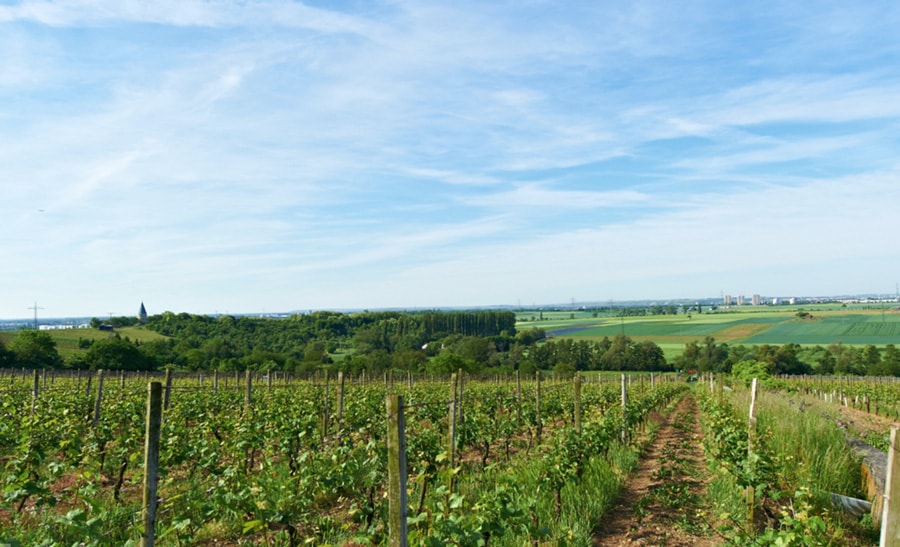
{"x":432,"y":342}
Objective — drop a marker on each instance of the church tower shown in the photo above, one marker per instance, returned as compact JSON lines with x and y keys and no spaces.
{"x":142,"y":314}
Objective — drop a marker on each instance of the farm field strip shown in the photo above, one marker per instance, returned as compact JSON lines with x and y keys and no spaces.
{"x":855,"y":328}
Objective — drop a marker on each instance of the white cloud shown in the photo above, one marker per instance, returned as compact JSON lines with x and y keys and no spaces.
{"x":364,"y":156}
{"x":536,"y":196}
{"x":187,"y":13}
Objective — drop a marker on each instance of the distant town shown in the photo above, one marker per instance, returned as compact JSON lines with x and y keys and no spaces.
{"x":709,"y":304}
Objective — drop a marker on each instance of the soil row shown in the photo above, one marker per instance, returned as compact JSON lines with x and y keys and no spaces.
{"x":662,"y":502}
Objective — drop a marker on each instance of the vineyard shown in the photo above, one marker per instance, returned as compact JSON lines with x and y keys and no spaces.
{"x":247,"y":459}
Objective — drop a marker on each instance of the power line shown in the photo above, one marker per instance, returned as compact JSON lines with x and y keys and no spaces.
{"x":35,"y":308}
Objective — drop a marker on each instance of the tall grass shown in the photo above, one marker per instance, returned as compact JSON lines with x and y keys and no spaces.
{"x":799,"y":458}
{"x":809,"y":450}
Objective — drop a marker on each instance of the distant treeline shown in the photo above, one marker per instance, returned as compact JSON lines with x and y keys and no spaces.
{"x":368,"y":340}
{"x":434,"y":342}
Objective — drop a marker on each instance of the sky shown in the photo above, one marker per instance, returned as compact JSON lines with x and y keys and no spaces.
{"x":217,"y":156}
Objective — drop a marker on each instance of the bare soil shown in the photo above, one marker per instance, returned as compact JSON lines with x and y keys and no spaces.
{"x":662,"y":503}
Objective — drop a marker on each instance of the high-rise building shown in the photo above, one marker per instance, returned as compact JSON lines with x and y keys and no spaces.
{"x":756,"y":300}
{"x":728,"y":300}
{"x":142,"y":314}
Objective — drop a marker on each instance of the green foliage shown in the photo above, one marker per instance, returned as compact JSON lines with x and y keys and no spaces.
{"x":747,"y":370}
{"x":447,"y":363}
{"x":793,"y":462}
{"x":620,"y":353}
{"x":34,"y":349}
{"x":116,"y":354}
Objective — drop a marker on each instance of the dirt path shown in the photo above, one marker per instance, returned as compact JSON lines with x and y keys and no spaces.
{"x":662,"y":502}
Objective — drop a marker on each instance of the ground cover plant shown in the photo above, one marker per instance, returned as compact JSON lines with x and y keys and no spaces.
{"x":792,"y":465}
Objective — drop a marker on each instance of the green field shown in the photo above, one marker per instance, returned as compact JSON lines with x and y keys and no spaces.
{"x":856,"y":327}
{"x":67,"y":340}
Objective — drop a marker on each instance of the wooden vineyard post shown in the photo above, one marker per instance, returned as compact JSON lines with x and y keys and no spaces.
{"x":518,"y":398}
{"x":248,"y":393}
{"x":452,"y":423}
{"x":122,"y":379}
{"x":396,"y":447}
{"x":624,"y":411}
{"x":751,"y":437}
{"x":168,"y":395}
{"x":460,"y":377}
{"x":577,"y":403}
{"x":151,"y":462}
{"x":99,"y":400}
{"x":537,"y":405}
{"x":35,"y":391}
{"x":340,"y":408}
{"x":890,"y":519}
{"x":216,"y":382}
{"x":326,"y":407}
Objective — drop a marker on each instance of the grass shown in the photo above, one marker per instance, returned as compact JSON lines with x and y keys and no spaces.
{"x":67,"y":341}
{"x":802,"y":458}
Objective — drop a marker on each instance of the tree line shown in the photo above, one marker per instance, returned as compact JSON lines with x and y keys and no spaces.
{"x":837,"y":358}
{"x":302,"y":342}
{"x":427,"y":342}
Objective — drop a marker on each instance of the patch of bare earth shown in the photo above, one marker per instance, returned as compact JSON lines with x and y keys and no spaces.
{"x":662,"y":503}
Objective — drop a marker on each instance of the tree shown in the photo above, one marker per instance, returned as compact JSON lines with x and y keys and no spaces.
{"x":891,"y":360}
{"x":619,"y":354}
{"x":825,"y":363}
{"x":649,"y":357}
{"x":411,"y":359}
{"x":474,"y":348}
{"x":7,"y":358}
{"x":564,"y":370}
{"x":35,"y":349}
{"x":690,"y":358}
{"x":871,"y":360}
{"x":712,"y":357}
{"x":447,"y":363}
{"x":116,"y":354}
{"x":747,"y":370}
{"x":159,"y":353}
{"x":785,"y":360}
{"x":314,"y":353}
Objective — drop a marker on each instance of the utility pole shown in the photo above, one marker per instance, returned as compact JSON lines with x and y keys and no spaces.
{"x":35,"y":308}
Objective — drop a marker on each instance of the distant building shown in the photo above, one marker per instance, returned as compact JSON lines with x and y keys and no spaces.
{"x":756,"y":300}
{"x":142,"y":314}
{"x":728,"y":300}
{"x":741,"y":301}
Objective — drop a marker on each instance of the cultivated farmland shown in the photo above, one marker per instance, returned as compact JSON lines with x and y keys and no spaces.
{"x":746,"y":326}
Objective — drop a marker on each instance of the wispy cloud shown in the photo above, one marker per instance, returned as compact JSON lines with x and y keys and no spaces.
{"x":280,"y":155}
{"x":535,"y":197}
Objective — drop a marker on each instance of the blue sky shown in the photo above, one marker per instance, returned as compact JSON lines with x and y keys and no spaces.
{"x":219,"y":156}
